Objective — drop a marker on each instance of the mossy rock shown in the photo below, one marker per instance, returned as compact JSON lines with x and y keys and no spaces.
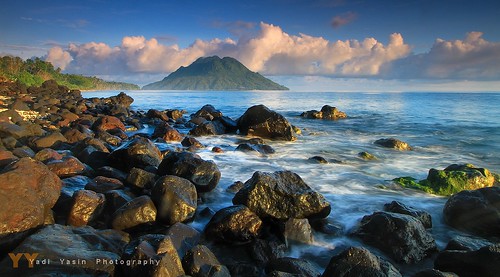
{"x":367,"y":156}
{"x":451,"y":180}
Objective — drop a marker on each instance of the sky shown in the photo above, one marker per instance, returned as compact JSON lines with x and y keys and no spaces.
{"x":327,"y":45}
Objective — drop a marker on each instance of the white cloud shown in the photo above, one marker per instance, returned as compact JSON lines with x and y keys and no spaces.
{"x":271,"y":51}
{"x":473,"y":58}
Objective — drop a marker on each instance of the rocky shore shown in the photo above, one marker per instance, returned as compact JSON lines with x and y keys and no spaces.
{"x":80,"y":195}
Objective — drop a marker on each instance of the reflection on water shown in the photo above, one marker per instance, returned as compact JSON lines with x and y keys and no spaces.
{"x":443,"y":128}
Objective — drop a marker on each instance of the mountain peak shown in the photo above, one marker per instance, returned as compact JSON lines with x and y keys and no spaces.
{"x":214,"y":73}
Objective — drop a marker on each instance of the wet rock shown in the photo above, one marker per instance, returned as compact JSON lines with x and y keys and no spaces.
{"x":482,"y":262}
{"x":263,"y":122}
{"x":201,"y":262}
{"x":208,"y":112}
{"x":298,"y":230}
{"x":298,"y":267}
{"x":456,"y":178}
{"x":109,"y":138}
{"x":184,"y":237}
{"x":166,"y":132}
{"x":66,"y":167}
{"x":400,"y":208}
{"x":175,"y":114}
{"x":87,"y":207}
{"x":103,"y":184}
{"x":191,"y":142}
{"x":318,"y":159}
{"x":400,"y":236}
{"x":281,"y":195}
{"x":156,"y":248}
{"x":476,"y":211}
{"x":217,"y":149}
{"x":28,"y":191}
{"x":235,"y":187}
{"x":138,"y":211}
{"x":466,"y":243}
{"x":367,"y":156}
{"x":108,"y":123}
{"x":139,"y":152}
{"x":434,"y":273}
{"x":7,"y":157}
{"x":393,"y":143}
{"x":203,"y":174}
{"x":115,"y":199}
{"x":263,"y":251}
{"x":327,"y":112}
{"x":209,"y":128}
{"x":56,"y":242}
{"x":235,"y":224}
{"x":141,"y":179}
{"x":356,"y":261}
{"x":108,"y":171}
{"x":260,"y":148}
{"x":152,"y":113}
{"x":49,"y":140}
{"x":121,"y":99}
{"x":175,"y":199}
{"x":323,"y":225}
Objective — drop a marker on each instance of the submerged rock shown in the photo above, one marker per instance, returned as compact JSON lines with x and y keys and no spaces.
{"x":367,"y":156}
{"x":262,"y":122}
{"x":327,"y":112}
{"x":281,"y":195}
{"x":393,"y":143}
{"x":402,"y":237}
{"x":475,"y":211}
{"x":356,"y":261}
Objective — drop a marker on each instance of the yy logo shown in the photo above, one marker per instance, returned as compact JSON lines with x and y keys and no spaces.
{"x":17,"y":257}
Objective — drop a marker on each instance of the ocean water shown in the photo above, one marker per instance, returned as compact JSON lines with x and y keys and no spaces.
{"x":443,"y":128}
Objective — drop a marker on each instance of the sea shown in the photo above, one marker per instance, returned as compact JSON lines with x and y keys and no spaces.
{"x":443,"y":129}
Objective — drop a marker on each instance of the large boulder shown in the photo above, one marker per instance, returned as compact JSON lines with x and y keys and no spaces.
{"x":393,"y":143}
{"x":208,"y":128}
{"x":262,"y":122}
{"x":166,"y":132}
{"x":108,"y":123}
{"x":235,"y":224}
{"x":281,"y":195}
{"x":138,"y":211}
{"x":175,"y":199}
{"x":139,"y":152}
{"x":205,"y":175}
{"x":400,"y":236}
{"x":356,"y":261}
{"x":67,"y":167}
{"x":121,"y":99}
{"x":482,"y":262}
{"x":475,"y":211}
{"x":86,"y":208}
{"x":68,"y":251}
{"x":28,"y":191}
{"x":458,"y":177}
{"x":157,"y":248}
{"x":184,"y":237}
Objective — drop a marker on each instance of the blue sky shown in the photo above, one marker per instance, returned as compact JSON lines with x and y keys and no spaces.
{"x":427,"y":42}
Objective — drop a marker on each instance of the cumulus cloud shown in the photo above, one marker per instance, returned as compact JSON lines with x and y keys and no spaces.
{"x":343,"y":19}
{"x":473,"y":58}
{"x":269,"y":51}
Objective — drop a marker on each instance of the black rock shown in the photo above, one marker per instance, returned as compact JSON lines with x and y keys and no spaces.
{"x":356,"y":261}
{"x":298,"y":267}
{"x":263,"y":122}
{"x":235,"y":224}
{"x":200,"y":261}
{"x":281,"y":195}
{"x":482,"y":262}
{"x":318,"y":159}
{"x":138,"y":211}
{"x":205,"y":175}
{"x":402,"y":237}
{"x":175,"y":199}
{"x":209,"y":128}
{"x":138,"y":152}
{"x":393,"y":143}
{"x":475,"y":211}
{"x":184,"y":237}
{"x":400,"y":208}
